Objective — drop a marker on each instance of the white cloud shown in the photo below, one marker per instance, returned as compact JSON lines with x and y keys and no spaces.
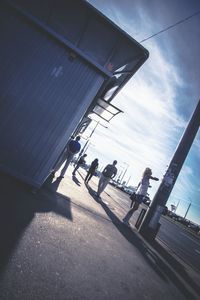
{"x":148,"y":131}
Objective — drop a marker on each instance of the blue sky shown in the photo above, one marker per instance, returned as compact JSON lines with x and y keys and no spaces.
{"x":159,"y":99}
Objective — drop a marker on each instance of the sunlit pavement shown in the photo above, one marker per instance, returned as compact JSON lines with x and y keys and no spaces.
{"x":62,"y":243}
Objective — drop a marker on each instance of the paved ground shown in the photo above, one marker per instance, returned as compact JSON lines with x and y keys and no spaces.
{"x":62,"y":244}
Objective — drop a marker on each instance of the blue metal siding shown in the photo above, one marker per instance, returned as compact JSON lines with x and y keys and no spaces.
{"x":43,"y":95}
{"x":88,"y":30}
{"x":69,"y":18}
{"x":56,"y":60}
{"x":39,"y":8}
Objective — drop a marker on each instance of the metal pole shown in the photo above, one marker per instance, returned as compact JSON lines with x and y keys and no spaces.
{"x":86,"y":149}
{"x":177,"y":206}
{"x":150,"y":225}
{"x":128,"y":181}
{"x":187,"y":210}
{"x":82,"y":151}
{"x":118,"y":179}
{"x":124,"y":174}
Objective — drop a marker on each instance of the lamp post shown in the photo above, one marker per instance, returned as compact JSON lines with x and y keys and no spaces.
{"x":120,"y":174}
{"x":187,"y":210}
{"x":177,"y":205}
{"x":127,"y":165}
{"x":88,"y":139}
{"x":128,"y":181}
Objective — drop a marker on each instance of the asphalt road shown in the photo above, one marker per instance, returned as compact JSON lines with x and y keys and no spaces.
{"x":176,"y":238}
{"x":181,"y":242}
{"x":63,"y":244}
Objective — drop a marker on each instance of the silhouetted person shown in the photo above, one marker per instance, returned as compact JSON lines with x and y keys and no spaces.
{"x":72,"y":148}
{"x":80,"y":162}
{"x":92,"y":170}
{"x":108,"y":173}
{"x":140,"y":194}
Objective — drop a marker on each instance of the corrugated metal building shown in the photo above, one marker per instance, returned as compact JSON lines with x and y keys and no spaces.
{"x":56,"y":59}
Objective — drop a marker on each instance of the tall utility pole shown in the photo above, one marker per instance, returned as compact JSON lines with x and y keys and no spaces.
{"x":177,"y":206}
{"x":150,"y":224}
{"x":187,"y":210}
{"x":124,"y":172}
{"x":120,"y":174}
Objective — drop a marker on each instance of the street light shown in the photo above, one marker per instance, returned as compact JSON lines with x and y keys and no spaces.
{"x":187,"y":209}
{"x":177,"y":205}
{"x":127,"y":165}
{"x":88,"y":139}
{"x":128,"y":180}
{"x":120,"y":173}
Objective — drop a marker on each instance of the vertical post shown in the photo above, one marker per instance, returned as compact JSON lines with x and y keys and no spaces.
{"x":86,"y":148}
{"x":128,"y":181}
{"x":82,"y":151}
{"x":118,"y":179}
{"x":177,"y":206}
{"x":187,"y":210}
{"x":150,"y":225}
{"x":124,"y":174}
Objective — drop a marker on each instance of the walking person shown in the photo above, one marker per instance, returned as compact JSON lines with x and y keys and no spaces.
{"x":80,"y":162}
{"x":140,"y":194}
{"x":108,"y":173}
{"x":92,"y":170}
{"x":72,"y":148}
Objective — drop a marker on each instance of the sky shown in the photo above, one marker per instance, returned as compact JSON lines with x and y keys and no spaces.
{"x":158,"y":100}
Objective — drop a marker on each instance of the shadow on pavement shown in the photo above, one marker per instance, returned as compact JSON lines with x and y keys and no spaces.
{"x":52,"y":185}
{"x":75,"y":179}
{"x":92,"y":192}
{"x":17,"y":210}
{"x":166,"y":272}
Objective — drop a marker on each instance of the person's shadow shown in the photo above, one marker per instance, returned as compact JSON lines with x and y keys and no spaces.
{"x":92,"y":192}
{"x":75,"y":179}
{"x":53,"y":185}
{"x":17,"y":210}
{"x":167,"y":271}
{"x":52,"y":182}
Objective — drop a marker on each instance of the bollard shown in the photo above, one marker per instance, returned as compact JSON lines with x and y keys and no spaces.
{"x":140,"y":218}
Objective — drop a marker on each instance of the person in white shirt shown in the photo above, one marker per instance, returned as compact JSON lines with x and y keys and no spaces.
{"x":108,"y":173}
{"x":140,"y":194}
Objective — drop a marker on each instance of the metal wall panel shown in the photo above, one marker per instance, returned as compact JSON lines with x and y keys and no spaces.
{"x":43,"y":95}
{"x":87,"y":29}
{"x":39,"y":8}
{"x":56,"y":60}
{"x":91,"y":35}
